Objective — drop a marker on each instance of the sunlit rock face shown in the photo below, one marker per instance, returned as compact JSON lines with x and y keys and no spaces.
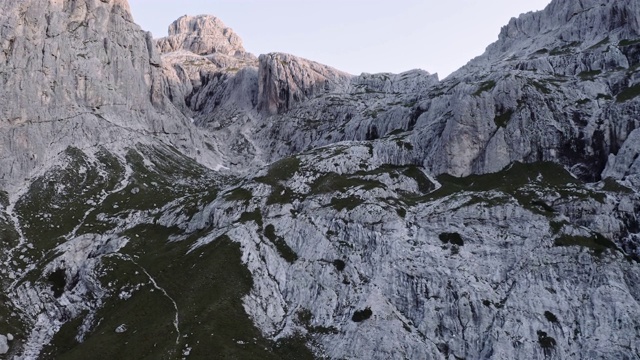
{"x":202,"y":35}
{"x":184,"y":198}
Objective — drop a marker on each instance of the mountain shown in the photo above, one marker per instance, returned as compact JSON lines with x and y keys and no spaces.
{"x":183,"y":198}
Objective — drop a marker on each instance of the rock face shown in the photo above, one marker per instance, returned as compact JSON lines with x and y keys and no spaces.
{"x":4,"y":345}
{"x":287,"y":80}
{"x":357,"y":240}
{"x":201,"y":35}
{"x":88,"y":76}
{"x":558,"y":85}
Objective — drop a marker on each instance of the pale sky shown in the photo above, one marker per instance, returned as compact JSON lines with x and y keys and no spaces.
{"x":354,"y":35}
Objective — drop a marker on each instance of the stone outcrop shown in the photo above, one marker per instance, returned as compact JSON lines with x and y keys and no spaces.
{"x":202,"y":35}
{"x":80,"y":73}
{"x":287,"y":80}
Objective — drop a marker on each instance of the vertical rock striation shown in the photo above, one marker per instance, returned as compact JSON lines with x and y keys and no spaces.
{"x":80,"y":73}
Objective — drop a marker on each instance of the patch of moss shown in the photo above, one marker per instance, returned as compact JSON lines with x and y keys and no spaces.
{"x":405,"y":145}
{"x":159,"y":176}
{"x":502,"y":119}
{"x":339,"y":264}
{"x":58,"y":281}
{"x":349,"y":203}
{"x":255,"y":216}
{"x":564,"y":50}
{"x":333,"y":182}
{"x":556,"y":226}
{"x":596,"y":242}
{"x":611,"y":185}
{"x":550,"y":317}
{"x":526,"y":183}
{"x":362,"y":315}
{"x":278,"y":173}
{"x":547,"y":343}
{"x":485,"y":86}
{"x":304,"y":319}
{"x":628,"y":42}
{"x":239,"y":194}
{"x":4,"y":198}
{"x":583,"y":101}
{"x":281,"y":246}
{"x":604,"y":41}
{"x":540,"y":87}
{"x":588,"y":75}
{"x":396,"y":132}
{"x":425,"y":185}
{"x":629,"y":93}
{"x":453,"y":238}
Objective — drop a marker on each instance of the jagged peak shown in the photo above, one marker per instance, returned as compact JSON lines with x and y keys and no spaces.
{"x":562,"y":22}
{"x":202,"y":35}
{"x":564,"y":28}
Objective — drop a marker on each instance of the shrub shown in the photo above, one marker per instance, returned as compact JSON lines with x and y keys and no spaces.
{"x":362,"y":315}
{"x":453,"y":238}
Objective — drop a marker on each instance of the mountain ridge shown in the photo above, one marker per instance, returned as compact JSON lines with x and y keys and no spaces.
{"x":492,"y":214}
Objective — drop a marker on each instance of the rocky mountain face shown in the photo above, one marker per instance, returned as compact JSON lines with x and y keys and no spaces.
{"x":80,"y":73}
{"x":183,"y":198}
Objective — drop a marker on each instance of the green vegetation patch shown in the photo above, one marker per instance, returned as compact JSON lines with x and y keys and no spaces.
{"x":159,"y":176}
{"x":349,"y":203}
{"x":283,"y":249}
{"x":362,"y":315}
{"x":255,"y":216}
{"x":239,"y":194}
{"x":628,"y":42}
{"x":485,"y":86}
{"x":546,"y":342}
{"x":550,"y":317}
{"x":604,"y":41}
{"x":523,"y":182}
{"x":405,"y":145}
{"x":333,"y":182}
{"x":629,"y":93}
{"x":281,"y":170}
{"x":425,"y":185}
{"x":304,"y":319}
{"x":207,"y":285}
{"x":451,"y":238}
{"x":58,"y":281}
{"x":540,"y":87}
{"x":583,"y":101}
{"x":339,"y":264}
{"x":278,"y":173}
{"x":588,"y":75}
{"x":564,"y":50}
{"x":502,"y":120}
{"x":4,"y":198}
{"x":596,"y":242}
{"x":57,"y":201}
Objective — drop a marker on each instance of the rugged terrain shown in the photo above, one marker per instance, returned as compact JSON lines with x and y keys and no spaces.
{"x":184,"y":198}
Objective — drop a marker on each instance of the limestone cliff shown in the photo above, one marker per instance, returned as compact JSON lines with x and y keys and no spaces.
{"x":80,"y":73}
{"x":202,"y":35}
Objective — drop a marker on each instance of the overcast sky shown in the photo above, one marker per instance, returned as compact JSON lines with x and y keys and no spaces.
{"x":354,"y":35}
